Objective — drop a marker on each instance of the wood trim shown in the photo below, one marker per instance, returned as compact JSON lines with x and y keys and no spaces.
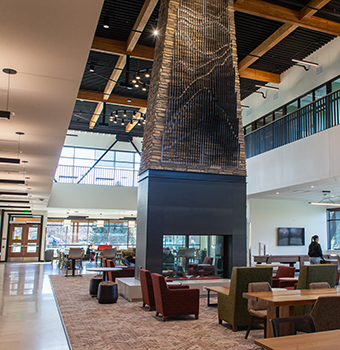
{"x":114,"y":77}
{"x":135,"y":120}
{"x":116,"y":47}
{"x":141,"y":22}
{"x":255,"y":74}
{"x":114,"y":99}
{"x":264,"y":47}
{"x":316,"y":5}
{"x":96,"y":115}
{"x":282,"y":14}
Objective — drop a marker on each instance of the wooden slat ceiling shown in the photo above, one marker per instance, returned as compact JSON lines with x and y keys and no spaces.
{"x":283,"y":25}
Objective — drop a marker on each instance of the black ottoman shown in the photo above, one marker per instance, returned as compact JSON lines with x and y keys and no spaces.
{"x":107,"y":292}
{"x":94,"y":283}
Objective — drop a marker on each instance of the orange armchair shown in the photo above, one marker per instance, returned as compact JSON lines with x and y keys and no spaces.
{"x":147,"y":288}
{"x":282,"y":271}
{"x":174,"y":302}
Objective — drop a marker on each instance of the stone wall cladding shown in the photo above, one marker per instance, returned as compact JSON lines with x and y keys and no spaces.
{"x":158,"y":98}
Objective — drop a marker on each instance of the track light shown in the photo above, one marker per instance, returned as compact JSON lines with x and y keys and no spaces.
{"x":122,"y":123}
{"x":106,"y":22}
{"x":10,"y":160}
{"x":134,"y":80}
{"x":131,"y":122}
{"x":308,"y":63}
{"x":144,"y":87}
{"x":115,"y":120}
{"x":124,"y":114}
{"x":116,"y":114}
{"x":267,"y":87}
{"x":139,"y":122}
{"x":138,"y":76}
{"x":134,"y":114}
{"x":136,"y":85}
{"x":147,"y":73}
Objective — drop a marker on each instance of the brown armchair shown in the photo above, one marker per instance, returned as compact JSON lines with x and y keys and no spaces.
{"x":147,"y":288}
{"x":173,"y":302}
{"x":282,"y":271}
{"x":206,"y":268}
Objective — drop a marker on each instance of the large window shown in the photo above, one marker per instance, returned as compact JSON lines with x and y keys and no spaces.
{"x":116,"y":168}
{"x":192,"y":256}
{"x":121,"y":234}
{"x":333,"y":227}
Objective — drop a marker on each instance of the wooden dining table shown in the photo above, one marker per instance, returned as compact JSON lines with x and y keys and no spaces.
{"x":309,"y":341}
{"x":281,"y":303}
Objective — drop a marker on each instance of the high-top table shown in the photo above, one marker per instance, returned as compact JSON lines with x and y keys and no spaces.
{"x":104,"y":269}
{"x":309,"y":341}
{"x":281,"y":304}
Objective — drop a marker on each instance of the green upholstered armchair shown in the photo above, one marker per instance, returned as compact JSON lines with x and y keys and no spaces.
{"x":311,"y":274}
{"x":232,"y":307}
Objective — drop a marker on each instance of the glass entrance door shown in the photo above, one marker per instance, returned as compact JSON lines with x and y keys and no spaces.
{"x":23,"y":242}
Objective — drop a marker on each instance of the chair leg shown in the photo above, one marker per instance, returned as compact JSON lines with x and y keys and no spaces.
{"x":164,"y":318}
{"x":196,"y":316}
{"x":157,"y":313}
{"x":265,"y":328}
{"x":150,"y":308}
{"x":143,"y":305}
{"x":234,"y":328}
{"x":219,"y":321}
{"x":249,"y":327}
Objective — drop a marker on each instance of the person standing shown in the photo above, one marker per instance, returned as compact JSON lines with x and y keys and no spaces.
{"x":315,"y":251}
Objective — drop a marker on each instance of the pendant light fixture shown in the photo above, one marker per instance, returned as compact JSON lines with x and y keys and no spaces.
{"x":7,"y":114}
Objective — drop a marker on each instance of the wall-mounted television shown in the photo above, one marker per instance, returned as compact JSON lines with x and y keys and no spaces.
{"x":290,"y":236}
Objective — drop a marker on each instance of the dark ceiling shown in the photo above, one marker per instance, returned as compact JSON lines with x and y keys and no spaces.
{"x":251,"y":31}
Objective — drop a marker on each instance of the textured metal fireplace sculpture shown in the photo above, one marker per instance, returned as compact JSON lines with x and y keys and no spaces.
{"x":201,"y":124}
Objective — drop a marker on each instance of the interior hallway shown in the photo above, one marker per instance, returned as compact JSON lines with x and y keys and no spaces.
{"x":29,"y":317}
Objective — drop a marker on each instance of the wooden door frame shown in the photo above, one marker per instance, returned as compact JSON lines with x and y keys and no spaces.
{"x":28,"y":216}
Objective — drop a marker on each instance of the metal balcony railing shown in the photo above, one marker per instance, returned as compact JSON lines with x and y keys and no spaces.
{"x":97,"y":176}
{"x":317,"y":116}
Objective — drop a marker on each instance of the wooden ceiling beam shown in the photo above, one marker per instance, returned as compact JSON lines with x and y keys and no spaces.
{"x":313,"y":7}
{"x":264,"y":47}
{"x":137,"y":30}
{"x":93,"y":96}
{"x":282,"y":14}
{"x":280,"y":34}
{"x":255,"y":74}
{"x":116,"y":47}
{"x":141,"y":22}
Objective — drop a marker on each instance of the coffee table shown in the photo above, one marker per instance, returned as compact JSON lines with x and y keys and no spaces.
{"x":104,"y":269}
{"x":217,"y":289}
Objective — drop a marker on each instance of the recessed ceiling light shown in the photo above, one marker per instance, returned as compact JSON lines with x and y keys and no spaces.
{"x":312,"y":187}
{"x":155,"y":32}
{"x":277,"y":192}
{"x":128,"y":100}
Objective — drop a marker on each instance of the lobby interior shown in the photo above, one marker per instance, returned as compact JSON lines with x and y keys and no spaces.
{"x":75,"y":62}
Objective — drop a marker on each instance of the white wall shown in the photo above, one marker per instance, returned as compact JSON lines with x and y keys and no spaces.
{"x":93,"y":197}
{"x":295,"y":82}
{"x":266,"y":215}
{"x":313,"y":158}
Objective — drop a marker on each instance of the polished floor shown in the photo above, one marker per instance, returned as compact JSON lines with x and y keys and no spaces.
{"x":29,"y":318}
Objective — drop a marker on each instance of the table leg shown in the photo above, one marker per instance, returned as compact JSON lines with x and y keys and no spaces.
{"x":272,"y":312}
{"x":103,"y":275}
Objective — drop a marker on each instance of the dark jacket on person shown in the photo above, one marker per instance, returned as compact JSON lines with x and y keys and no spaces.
{"x":314,"y":250}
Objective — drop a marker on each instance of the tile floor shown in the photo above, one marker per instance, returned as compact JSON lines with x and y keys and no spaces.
{"x":29,"y":318}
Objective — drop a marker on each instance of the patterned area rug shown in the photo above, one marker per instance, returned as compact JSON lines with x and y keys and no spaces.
{"x":126,"y":325}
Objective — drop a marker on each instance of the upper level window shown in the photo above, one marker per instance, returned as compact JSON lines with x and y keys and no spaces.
{"x":320,"y":92}
{"x":268,"y":118}
{"x":307,"y":99}
{"x":278,"y":113}
{"x":335,"y":84}
{"x":293,"y":106}
{"x":333,"y":227}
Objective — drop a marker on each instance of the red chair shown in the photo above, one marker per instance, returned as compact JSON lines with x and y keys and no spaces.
{"x":282,"y":271}
{"x":206,"y":268}
{"x":147,"y":288}
{"x":174,"y":302}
